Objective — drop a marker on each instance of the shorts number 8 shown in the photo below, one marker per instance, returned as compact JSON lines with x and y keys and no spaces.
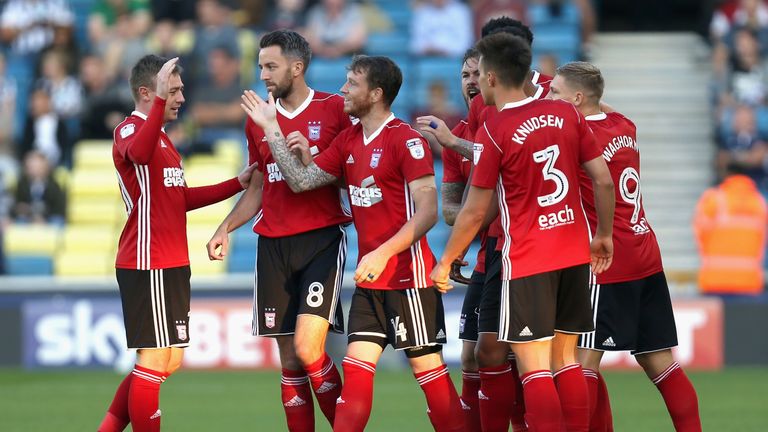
{"x":315,"y":296}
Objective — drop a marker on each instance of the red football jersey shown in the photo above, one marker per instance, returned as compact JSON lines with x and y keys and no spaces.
{"x":456,"y":169}
{"x":636,"y":251}
{"x":378,"y":169}
{"x":535,"y":148}
{"x":320,"y":118}
{"x":479,"y":111}
{"x":156,"y":196}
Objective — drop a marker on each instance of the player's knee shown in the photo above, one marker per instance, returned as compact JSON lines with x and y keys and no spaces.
{"x":487,"y":355}
{"x":468,"y":362}
{"x":307,"y":354}
{"x":173,"y":366}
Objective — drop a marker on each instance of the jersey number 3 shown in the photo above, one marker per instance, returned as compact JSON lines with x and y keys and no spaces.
{"x":548,"y":157}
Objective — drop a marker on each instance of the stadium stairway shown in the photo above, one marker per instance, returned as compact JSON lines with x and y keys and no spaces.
{"x":660,"y":81}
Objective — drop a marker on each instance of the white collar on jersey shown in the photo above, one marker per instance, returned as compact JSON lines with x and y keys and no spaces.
{"x":291,"y":115}
{"x":367,"y":140}
{"x":539,"y":91}
{"x":536,"y":76}
{"x":596,"y":117}
{"x":519,"y":103}
{"x":143,"y":116}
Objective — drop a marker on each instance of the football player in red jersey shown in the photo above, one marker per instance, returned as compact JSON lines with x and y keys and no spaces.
{"x":532,"y":152}
{"x":630,"y":300}
{"x":152,"y":259}
{"x":302,"y":244}
{"x":387,"y":166}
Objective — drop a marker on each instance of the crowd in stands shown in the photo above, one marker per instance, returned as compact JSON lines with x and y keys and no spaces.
{"x":64,"y":66}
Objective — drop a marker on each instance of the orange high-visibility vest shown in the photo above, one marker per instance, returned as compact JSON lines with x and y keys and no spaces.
{"x":730,"y":225}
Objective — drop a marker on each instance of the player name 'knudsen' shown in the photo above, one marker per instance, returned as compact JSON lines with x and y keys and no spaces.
{"x":616,"y":144}
{"x":533,"y":123}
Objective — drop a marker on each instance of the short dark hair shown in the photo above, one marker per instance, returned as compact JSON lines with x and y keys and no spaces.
{"x":291,"y":44}
{"x":508,"y":25}
{"x":585,"y":76}
{"x":506,"y":55}
{"x":145,"y":71}
{"x":381,"y":72}
{"x":469,"y":54}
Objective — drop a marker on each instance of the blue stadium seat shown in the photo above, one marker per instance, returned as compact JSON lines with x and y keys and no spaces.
{"x":388,"y":44}
{"x":241,"y":262}
{"x":539,"y":13}
{"x":29,"y":265}
{"x":447,"y":70}
{"x":328,"y":74}
{"x":761,"y":114}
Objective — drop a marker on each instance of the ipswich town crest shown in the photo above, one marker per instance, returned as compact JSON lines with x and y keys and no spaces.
{"x":181,"y":331}
{"x":269,"y":319}
{"x":314,"y":130}
{"x":375,"y":156}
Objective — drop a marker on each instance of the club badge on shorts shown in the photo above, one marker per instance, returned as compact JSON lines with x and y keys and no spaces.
{"x":181,"y":331}
{"x":416,"y":147}
{"x":269,"y":319}
{"x":314,"y":130}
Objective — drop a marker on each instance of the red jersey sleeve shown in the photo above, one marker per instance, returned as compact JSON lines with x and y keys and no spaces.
{"x":415,"y":157}
{"x":202,"y":196}
{"x":487,"y":160}
{"x":331,"y":160}
{"x":139,"y":145}
{"x":254,"y":156}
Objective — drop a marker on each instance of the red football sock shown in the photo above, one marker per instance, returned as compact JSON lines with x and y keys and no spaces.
{"x":117,"y":417}
{"x":326,"y":383}
{"x":442,"y":400}
{"x":497,"y":387}
{"x":353,"y":408}
{"x":297,"y":401}
{"x":574,"y":397}
{"x":590,"y":376}
{"x":603,"y":417}
{"x":542,"y":405}
{"x":518,"y":409}
{"x":144,"y":399}
{"x":680,"y":397}
{"x":470,"y":385}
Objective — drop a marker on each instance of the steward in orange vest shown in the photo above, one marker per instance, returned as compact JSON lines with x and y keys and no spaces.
{"x":730,"y":226}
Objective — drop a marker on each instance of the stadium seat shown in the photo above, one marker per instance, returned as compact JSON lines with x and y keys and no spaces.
{"x":90,"y":154}
{"x":100,"y":211}
{"x":31,"y":239}
{"x":94,"y":238}
{"x":211,"y":215}
{"x":197,"y":237}
{"x":540,"y":13}
{"x":29,"y":265}
{"x":387,"y":44}
{"x":328,"y":75}
{"x":85,"y":183}
{"x":86,"y":263}
{"x":241,"y":261}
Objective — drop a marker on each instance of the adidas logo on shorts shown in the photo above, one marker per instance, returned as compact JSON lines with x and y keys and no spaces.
{"x":441,"y":334}
{"x":295,"y":401}
{"x":526,"y":332}
{"x":609,"y":342}
{"x":325,"y":387}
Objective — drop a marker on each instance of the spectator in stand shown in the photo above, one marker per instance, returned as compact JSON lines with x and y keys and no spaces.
{"x":548,"y":64}
{"x":215,"y":108}
{"x":214,"y":29}
{"x":7,"y":109}
{"x":752,"y":14}
{"x":286,"y":14}
{"x":121,"y":49}
{"x":38,"y":198}
{"x":335,"y":28}
{"x":742,"y":148}
{"x":441,"y":28}
{"x":730,"y":227}
{"x":744,"y":79}
{"x":105,"y":105}
{"x":438,"y":105}
{"x":105,"y":13}
{"x":5,"y":204}
{"x":44,"y":131}
{"x":179,"y":12}
{"x":30,"y":26}
{"x":485,"y":10}
{"x":65,"y":90}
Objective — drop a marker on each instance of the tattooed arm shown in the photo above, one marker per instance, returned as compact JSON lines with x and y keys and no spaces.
{"x":452,"y":194}
{"x":299,"y":178}
{"x":431,"y":126}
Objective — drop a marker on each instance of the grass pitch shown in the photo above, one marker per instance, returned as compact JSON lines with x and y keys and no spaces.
{"x":731,"y":400}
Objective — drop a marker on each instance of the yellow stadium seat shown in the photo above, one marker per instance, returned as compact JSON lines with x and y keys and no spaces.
{"x":84,"y":263}
{"x":89,"y":238}
{"x":210,"y":216}
{"x":94,"y":183}
{"x":31,"y":239}
{"x":198,"y":236}
{"x":93,"y":154}
{"x":102,"y":212}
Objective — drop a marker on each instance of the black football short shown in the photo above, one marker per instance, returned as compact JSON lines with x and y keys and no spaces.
{"x":155,"y":306}
{"x":488,"y":320}
{"x":403,"y":318}
{"x":534,"y":307}
{"x":299,"y":275}
{"x":633,"y":316}
{"x":470,"y":309}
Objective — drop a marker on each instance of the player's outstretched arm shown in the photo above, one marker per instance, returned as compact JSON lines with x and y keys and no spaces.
{"x":424,"y":194}
{"x":299,"y":178}
{"x":433,"y":127}
{"x":602,"y":243}
{"x":246,"y":208}
{"x":468,"y":223}
{"x":202,"y":196}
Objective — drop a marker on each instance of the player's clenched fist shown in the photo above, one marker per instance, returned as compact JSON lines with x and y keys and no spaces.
{"x":439,"y":276}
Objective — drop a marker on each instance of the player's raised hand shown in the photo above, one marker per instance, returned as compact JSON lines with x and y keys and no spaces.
{"x":163,"y":78}
{"x":218,"y":245}
{"x":260,"y":111}
{"x":299,"y":145}
{"x":434,"y":126}
{"x":245,"y":175}
{"x":601,"y":253}
{"x":370,"y":267}
{"x":439,"y":276}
